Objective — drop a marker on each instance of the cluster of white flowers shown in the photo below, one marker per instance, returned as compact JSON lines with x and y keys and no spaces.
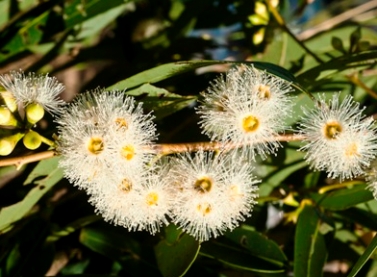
{"x":340,"y":140}
{"x":107,"y":147}
{"x":247,"y":108}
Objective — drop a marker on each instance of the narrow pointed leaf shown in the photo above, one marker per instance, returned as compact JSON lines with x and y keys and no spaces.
{"x":169,"y":70}
{"x":50,"y":175}
{"x":161,"y":101}
{"x":344,"y":198}
{"x":310,"y":249}
{"x":364,"y":257}
{"x":258,"y":245}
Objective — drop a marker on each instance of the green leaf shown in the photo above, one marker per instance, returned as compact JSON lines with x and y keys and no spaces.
{"x":28,"y":35}
{"x":354,"y":39}
{"x":277,"y":174}
{"x":364,"y":257}
{"x":309,"y":249}
{"x":258,"y":245}
{"x":315,"y":74}
{"x":169,"y":70}
{"x":111,"y":242}
{"x":237,"y":257}
{"x":79,"y":11}
{"x":50,"y":175}
{"x":344,"y":198}
{"x":95,"y":24}
{"x":337,"y":43}
{"x":161,"y":101}
{"x":363,"y":217}
{"x":72,"y":227}
{"x":176,"y":253}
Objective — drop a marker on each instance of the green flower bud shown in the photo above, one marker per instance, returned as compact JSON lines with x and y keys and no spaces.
{"x":7,"y":118}
{"x":32,"y":140}
{"x":9,"y":100}
{"x":7,"y":144}
{"x":34,"y":112}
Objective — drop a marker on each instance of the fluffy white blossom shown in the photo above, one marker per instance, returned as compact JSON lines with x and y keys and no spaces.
{"x":338,"y":138}
{"x":137,"y":202}
{"x":212,"y":193}
{"x":34,"y":88}
{"x":247,"y":108}
{"x":102,"y":132}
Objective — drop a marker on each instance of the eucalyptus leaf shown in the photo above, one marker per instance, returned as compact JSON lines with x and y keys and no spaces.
{"x":161,"y":101}
{"x":110,"y":242}
{"x":309,"y":249}
{"x":237,"y":257}
{"x":344,"y":198}
{"x":364,"y":257}
{"x":45,"y":175}
{"x":78,"y":11}
{"x":169,"y":70}
{"x":178,"y":247}
{"x":359,"y":60}
{"x":258,"y":245}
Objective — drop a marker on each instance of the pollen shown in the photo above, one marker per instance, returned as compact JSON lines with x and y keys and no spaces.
{"x":128,"y":152}
{"x":204,"y":209}
{"x":95,"y":145}
{"x":351,"y":150}
{"x":121,"y":123}
{"x":152,"y":199}
{"x":235,"y":191}
{"x":250,"y":123}
{"x":264,"y":92}
{"x":125,"y":185}
{"x":332,"y":129}
{"x":203,"y":184}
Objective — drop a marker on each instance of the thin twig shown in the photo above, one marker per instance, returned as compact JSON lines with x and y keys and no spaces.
{"x":20,"y":161}
{"x":279,"y":19}
{"x":162,"y":149}
{"x":336,"y":20}
{"x":172,"y":148}
{"x":354,"y":78}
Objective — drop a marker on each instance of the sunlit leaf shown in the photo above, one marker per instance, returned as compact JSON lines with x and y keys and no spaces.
{"x":169,"y":70}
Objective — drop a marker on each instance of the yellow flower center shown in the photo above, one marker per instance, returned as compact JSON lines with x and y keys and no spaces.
{"x":152,"y":199}
{"x":203,"y":184}
{"x":250,"y":123}
{"x":128,"y":152}
{"x":332,"y":129}
{"x":204,"y":208}
{"x":95,"y":145}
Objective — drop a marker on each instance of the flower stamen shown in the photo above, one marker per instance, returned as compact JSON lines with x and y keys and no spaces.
{"x":95,"y":145}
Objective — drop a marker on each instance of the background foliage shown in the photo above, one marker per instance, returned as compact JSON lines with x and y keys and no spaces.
{"x":165,"y":52}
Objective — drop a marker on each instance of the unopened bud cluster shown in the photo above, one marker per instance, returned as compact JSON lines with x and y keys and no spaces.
{"x":24,"y":98}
